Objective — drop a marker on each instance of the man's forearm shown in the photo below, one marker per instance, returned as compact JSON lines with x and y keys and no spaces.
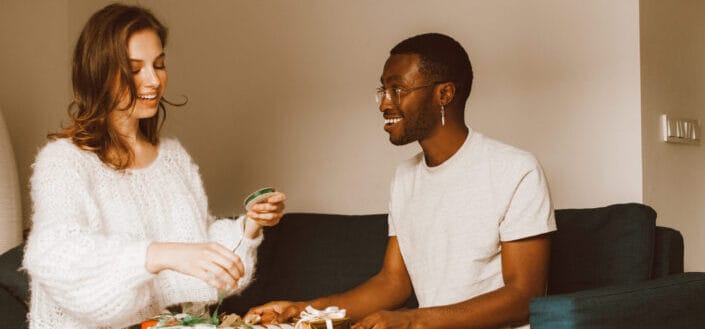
{"x":381,"y":292}
{"x":497,"y":309}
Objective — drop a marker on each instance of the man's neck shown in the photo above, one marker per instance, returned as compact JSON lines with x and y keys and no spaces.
{"x":443,"y":145}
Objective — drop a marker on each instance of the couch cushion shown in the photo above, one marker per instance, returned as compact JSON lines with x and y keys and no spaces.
{"x":12,"y":280}
{"x":313,"y":255}
{"x":674,"y":301}
{"x":601,"y":246}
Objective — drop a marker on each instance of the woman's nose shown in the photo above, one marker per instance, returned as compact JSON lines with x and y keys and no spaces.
{"x":151,"y":78}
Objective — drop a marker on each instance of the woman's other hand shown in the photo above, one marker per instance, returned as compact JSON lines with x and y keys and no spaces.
{"x":211,"y":262}
{"x":266,"y":213}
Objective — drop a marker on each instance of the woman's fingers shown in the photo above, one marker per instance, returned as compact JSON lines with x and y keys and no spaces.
{"x":265,"y":219}
{"x":267,"y":207}
{"x":269,"y":212}
{"x":277,"y":197}
{"x":216,"y":276}
{"x":224,"y":268}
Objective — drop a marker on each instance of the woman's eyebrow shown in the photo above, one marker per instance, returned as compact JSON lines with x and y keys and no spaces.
{"x":140,"y":60}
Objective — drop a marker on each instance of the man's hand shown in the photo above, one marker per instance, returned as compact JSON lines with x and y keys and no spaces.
{"x":278,"y":311}
{"x":388,"y":320}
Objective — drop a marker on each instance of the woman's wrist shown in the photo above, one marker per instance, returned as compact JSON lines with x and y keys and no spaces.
{"x":155,"y":260}
{"x":252,"y":228}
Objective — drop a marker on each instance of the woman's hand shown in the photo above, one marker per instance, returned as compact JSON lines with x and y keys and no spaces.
{"x":211,"y":262}
{"x":265,"y":213}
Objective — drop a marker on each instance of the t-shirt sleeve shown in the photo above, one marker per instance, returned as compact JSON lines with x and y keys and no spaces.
{"x":530,"y":212}
{"x":392,"y":209}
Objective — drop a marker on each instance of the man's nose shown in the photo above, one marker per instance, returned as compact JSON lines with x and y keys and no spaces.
{"x":385,"y":103}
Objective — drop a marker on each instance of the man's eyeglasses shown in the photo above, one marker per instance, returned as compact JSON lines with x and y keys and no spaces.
{"x":394,"y":94}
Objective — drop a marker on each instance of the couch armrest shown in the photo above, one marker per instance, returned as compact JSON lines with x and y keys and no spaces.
{"x":668,"y":252}
{"x":675,"y":301}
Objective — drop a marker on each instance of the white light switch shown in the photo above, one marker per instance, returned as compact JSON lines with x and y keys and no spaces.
{"x":680,"y":130}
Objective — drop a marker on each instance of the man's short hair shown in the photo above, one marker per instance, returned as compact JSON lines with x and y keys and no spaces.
{"x":442,"y":59}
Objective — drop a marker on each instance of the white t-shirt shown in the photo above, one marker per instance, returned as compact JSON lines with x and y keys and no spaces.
{"x":450,"y":219}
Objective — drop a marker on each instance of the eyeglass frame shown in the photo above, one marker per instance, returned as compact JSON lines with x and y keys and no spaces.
{"x":385,"y":93}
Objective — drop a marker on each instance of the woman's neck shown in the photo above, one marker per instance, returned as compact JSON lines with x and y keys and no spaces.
{"x":127,"y":126}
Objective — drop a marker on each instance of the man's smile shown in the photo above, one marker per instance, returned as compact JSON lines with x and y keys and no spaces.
{"x":391,"y":121}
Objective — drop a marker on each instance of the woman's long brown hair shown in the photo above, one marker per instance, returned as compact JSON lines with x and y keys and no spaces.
{"x":101,"y":73}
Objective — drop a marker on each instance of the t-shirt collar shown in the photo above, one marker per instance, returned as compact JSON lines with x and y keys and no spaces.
{"x":449,"y":162}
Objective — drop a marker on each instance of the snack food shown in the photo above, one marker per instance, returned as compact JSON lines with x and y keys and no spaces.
{"x":184,"y":320}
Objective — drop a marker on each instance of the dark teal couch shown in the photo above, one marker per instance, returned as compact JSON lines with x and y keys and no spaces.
{"x":611,"y":267}
{"x":14,"y":290}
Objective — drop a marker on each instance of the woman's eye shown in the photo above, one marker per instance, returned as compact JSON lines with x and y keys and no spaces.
{"x":136,"y":70}
{"x":160,"y":64}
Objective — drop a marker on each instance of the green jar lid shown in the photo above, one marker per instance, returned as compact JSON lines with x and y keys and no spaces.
{"x":257,"y":196}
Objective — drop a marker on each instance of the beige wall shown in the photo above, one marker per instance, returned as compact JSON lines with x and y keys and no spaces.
{"x":673,"y":71}
{"x":34,"y":76}
{"x":280,"y":92}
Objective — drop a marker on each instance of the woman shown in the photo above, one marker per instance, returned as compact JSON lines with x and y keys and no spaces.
{"x":121,"y":228}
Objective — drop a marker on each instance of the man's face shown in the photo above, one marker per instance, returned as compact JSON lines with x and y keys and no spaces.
{"x":408,"y":116}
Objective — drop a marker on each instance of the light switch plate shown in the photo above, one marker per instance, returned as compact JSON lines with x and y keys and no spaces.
{"x":676,"y":130}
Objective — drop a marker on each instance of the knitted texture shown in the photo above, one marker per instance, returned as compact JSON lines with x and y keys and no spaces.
{"x":91,"y":229}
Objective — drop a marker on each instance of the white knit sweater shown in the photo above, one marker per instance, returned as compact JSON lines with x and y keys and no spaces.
{"x":91,"y":228}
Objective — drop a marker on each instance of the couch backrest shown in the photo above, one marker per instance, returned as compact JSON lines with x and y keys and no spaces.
{"x":312,"y":255}
{"x":598,"y":247}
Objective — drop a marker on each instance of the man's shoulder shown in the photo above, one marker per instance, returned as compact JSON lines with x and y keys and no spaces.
{"x":501,"y":152}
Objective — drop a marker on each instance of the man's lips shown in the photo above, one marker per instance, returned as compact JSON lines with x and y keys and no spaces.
{"x":391,"y":121}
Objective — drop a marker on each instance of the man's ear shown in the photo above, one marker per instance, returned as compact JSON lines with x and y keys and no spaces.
{"x":447,"y":92}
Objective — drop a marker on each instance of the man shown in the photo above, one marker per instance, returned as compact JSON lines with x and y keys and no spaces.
{"x":468,"y":217}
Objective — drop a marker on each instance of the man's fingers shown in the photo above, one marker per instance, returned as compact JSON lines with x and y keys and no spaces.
{"x":268,"y":307}
{"x":269,"y":317}
{"x":288,"y":313}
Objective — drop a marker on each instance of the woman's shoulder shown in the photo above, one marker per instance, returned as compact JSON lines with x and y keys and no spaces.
{"x":62,"y":156}
{"x":171,"y":149}
{"x":171,"y":146}
{"x":62,"y":150}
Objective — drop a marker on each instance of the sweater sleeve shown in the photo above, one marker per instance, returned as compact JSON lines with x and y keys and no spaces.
{"x":178,"y":288}
{"x":229,"y":233}
{"x":95,"y":277}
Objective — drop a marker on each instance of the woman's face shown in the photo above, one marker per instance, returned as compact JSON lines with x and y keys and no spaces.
{"x":147,"y":62}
